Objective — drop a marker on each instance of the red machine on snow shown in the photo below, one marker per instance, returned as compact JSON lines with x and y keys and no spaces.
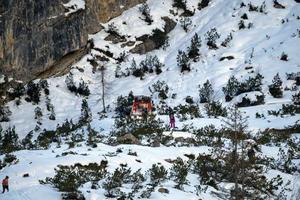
{"x":142,"y":105}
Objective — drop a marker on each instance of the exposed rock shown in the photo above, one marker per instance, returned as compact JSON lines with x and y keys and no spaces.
{"x":190,"y":156}
{"x":278,"y":5}
{"x":128,"y":139}
{"x":169,"y":24}
{"x":203,"y":4}
{"x":128,"y":44}
{"x":185,"y":141}
{"x":149,"y":42}
{"x":226,"y":58}
{"x":38,"y":39}
{"x":163,"y":190}
{"x":115,"y":38}
{"x":155,"y":143}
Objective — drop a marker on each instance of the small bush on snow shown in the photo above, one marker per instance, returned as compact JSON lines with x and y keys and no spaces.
{"x":276,"y":87}
{"x":145,"y":10}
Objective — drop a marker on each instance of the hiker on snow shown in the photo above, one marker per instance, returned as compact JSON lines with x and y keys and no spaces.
{"x":130,"y":98}
{"x":5,"y":184}
{"x":172,"y":120}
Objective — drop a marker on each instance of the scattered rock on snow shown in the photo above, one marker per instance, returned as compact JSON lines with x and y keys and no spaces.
{"x":128,"y":139}
{"x":226,"y":58}
{"x":163,"y":190}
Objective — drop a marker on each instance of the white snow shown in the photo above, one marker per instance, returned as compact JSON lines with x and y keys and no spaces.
{"x":266,"y":41}
{"x":73,"y":6}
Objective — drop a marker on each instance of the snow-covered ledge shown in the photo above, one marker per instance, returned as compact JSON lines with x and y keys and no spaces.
{"x":73,"y":6}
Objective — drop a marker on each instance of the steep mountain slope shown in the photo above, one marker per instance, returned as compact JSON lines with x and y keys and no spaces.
{"x":258,"y":47}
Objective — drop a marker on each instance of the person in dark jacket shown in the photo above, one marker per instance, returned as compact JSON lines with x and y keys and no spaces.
{"x":5,"y":184}
{"x":172,"y":120}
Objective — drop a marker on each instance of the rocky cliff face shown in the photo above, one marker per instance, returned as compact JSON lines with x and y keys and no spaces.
{"x":37,"y":36}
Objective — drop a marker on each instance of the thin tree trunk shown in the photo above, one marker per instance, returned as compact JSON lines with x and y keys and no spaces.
{"x":103,"y":88}
{"x":243,"y":169}
{"x":236,"y":166}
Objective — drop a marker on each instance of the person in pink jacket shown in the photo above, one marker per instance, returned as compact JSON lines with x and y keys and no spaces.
{"x":5,"y":184}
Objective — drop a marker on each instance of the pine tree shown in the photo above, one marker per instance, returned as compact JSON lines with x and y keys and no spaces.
{"x":33,"y":92}
{"x":206,"y":92}
{"x":10,"y":141}
{"x":70,"y":83}
{"x":185,"y":23}
{"x":52,"y":115}
{"x":157,"y":174}
{"x":211,"y":36}
{"x":255,"y":83}
{"x":92,"y":136}
{"x":133,"y":66}
{"x":296,"y":99}
{"x":86,"y":114}
{"x":38,"y":114}
{"x":276,"y":87}
{"x":231,"y":89}
{"x":227,"y":40}
{"x":193,"y":50}
{"x":183,"y":61}
{"x":50,"y":108}
{"x":242,"y":25}
{"x":203,"y":4}
{"x":44,"y":85}
{"x":18,"y":91}
{"x":179,"y":172}
{"x":112,"y":29}
{"x":145,"y":10}
{"x":215,"y":109}
{"x":83,"y":89}
{"x":4,"y":113}
{"x":157,"y":65}
{"x":236,"y":124}
{"x":180,"y":4}
{"x":27,"y":141}
{"x":118,"y":72}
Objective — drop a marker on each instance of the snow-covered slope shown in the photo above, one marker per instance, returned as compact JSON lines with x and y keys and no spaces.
{"x":257,"y":49}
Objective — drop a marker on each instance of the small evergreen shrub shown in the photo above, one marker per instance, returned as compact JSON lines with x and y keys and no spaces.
{"x":70,"y":178}
{"x":179,"y":172}
{"x":112,"y":29}
{"x":208,"y":135}
{"x":183,"y":61}
{"x":83,"y":88}
{"x":276,"y":87}
{"x":185,"y":23}
{"x":145,"y":10}
{"x":161,"y":89}
{"x":227,"y":40}
{"x":139,"y":128}
{"x":234,"y":87}
{"x":123,"y":108}
{"x":203,"y":4}
{"x":9,"y":141}
{"x":246,"y":102}
{"x":206,"y":92}
{"x":189,"y":111}
{"x":215,"y":109}
{"x":295,"y":77}
{"x":284,"y":57}
{"x":5,"y":113}
{"x":33,"y":92}
{"x":211,"y":37}
{"x":157,"y":174}
{"x":193,"y":50}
